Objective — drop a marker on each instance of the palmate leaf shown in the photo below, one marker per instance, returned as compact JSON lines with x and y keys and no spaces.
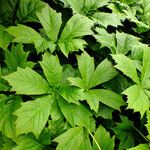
{"x":51,"y":68}
{"x":106,"y":97}
{"x":126,"y":65}
{"x":33,"y":115}
{"x":77,"y":114}
{"x":5,"y":38}
{"x":27,"y":9}
{"x":92,"y":77}
{"x":26,"y":81}
{"x":104,"y":140}
{"x":16,"y":58}
{"x":51,"y":22}
{"x":73,"y":139}
{"x":137,"y":99}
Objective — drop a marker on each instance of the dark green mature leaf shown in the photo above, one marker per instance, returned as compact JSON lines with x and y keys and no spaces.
{"x":26,"y":81}
{"x":25,"y":142}
{"x":33,"y":115}
{"x":16,"y":58}
{"x":104,"y":140}
{"x":137,"y":99}
{"x":27,"y":10}
{"x":125,"y":132}
{"x":52,"y":69}
{"x":106,"y":97}
{"x":126,"y":65}
{"x":73,"y":139}
{"x":51,"y":22}
{"x":5,"y":38}
{"x":77,"y":114}
{"x":7,"y":120}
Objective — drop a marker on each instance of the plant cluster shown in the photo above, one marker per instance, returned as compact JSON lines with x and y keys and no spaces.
{"x":74,"y":74}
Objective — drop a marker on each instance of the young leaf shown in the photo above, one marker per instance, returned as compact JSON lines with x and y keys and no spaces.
{"x":137,"y":99}
{"x":73,"y":139}
{"x":77,"y":114}
{"x":5,"y":38}
{"x":125,"y":132}
{"x":27,"y":10}
{"x":26,"y":81}
{"x":51,"y":22}
{"x":52,"y":69}
{"x":106,"y":97}
{"x":148,"y":124}
{"x":33,"y":115}
{"x":127,"y":66}
{"x":104,"y":140}
{"x":15,"y":58}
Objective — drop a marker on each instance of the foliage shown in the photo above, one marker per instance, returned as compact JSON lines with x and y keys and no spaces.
{"x":74,"y":75}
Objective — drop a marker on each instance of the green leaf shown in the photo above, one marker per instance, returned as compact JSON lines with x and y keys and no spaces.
{"x":51,"y":22}
{"x":76,"y":27}
{"x":145,"y":77}
{"x":5,"y":38}
{"x":125,"y":42}
{"x":73,"y":139}
{"x":25,"y":142}
{"x":148,"y":124}
{"x":126,"y":65}
{"x":103,"y":73}
{"x":71,"y":94}
{"x":25,"y":34}
{"x":140,"y":147}
{"x":76,"y":114}
{"x":15,"y":58}
{"x":52,"y":69}
{"x":33,"y":115}
{"x":104,"y":140}
{"x":106,"y":97}
{"x":92,"y":77}
{"x":106,"y":19}
{"x":7,"y":120}
{"x":27,"y":10}
{"x":137,"y":99}
{"x":125,"y":132}
{"x":26,"y":81}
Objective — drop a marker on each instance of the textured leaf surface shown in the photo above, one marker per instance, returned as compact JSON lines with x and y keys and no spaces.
{"x":104,"y":140}
{"x":127,"y":66}
{"x":52,"y":68}
{"x":137,"y":99}
{"x":33,"y":115}
{"x":73,"y":139}
{"x":148,"y":124}
{"x":26,"y":81}
{"x":51,"y":22}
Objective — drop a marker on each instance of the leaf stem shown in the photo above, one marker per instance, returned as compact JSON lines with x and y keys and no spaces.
{"x":94,"y":139}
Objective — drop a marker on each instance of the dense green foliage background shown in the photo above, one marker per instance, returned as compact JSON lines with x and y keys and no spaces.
{"x":74,"y":74}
